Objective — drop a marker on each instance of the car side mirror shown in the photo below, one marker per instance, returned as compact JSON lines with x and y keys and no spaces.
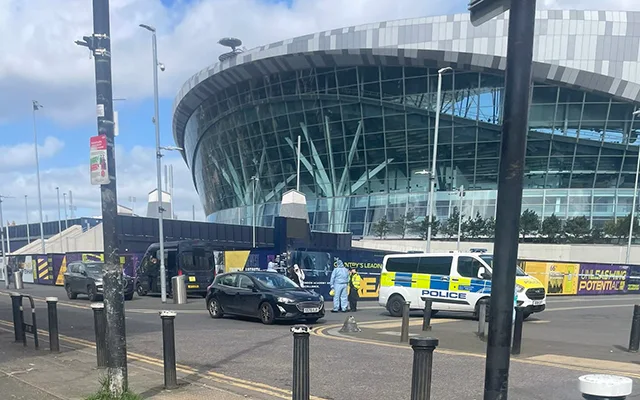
{"x":83,"y":273}
{"x":483,"y":274}
{"x":252,"y":287}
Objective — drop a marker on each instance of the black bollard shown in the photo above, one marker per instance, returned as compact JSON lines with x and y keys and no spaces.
{"x":169,"y":349}
{"x":426,"y":318}
{"x":517,"y":331}
{"x":422,"y":364}
{"x":404,"y":329}
{"x":52,"y":311}
{"x":16,"y":306}
{"x":100,"y":326}
{"x":634,"y":338}
{"x":301,"y":390}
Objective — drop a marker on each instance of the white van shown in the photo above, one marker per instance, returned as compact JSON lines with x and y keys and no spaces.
{"x":453,"y":281}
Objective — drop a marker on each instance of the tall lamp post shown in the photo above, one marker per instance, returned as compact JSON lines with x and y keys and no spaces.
{"x":461,"y":195}
{"x":36,"y":107}
{"x":59,"y":216}
{"x":26,"y":211}
{"x":633,"y":206}
{"x":255,"y":180}
{"x":64,"y":204}
{"x":156,"y":122}
{"x":432,"y":177}
{"x":5,"y":267}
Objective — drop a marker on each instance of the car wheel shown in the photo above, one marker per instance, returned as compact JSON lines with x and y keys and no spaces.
{"x":70,"y":294}
{"x":266,"y":313}
{"x":92,"y":293}
{"x":312,"y":320}
{"x":395,"y":305}
{"x":140,"y":290}
{"x":128,"y":296}
{"x":215,"y":311}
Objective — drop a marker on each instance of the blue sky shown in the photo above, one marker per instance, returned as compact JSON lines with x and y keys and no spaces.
{"x":40,"y":62}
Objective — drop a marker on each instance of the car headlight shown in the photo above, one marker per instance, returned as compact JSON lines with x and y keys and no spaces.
{"x":322,"y":298}
{"x":285,"y":300}
{"x":519,"y":288}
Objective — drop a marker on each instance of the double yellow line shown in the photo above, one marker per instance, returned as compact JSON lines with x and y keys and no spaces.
{"x":215,"y":376}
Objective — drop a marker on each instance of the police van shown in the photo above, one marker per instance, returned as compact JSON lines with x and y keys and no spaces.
{"x":453,"y":281}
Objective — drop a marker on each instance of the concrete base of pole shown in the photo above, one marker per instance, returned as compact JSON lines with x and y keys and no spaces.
{"x":605,"y":387}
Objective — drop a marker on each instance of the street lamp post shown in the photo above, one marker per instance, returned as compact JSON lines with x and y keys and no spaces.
{"x":59,"y":216}
{"x":432,"y":177}
{"x":156,"y":122}
{"x":64,"y":204}
{"x":633,"y":206}
{"x":36,"y":107}
{"x":4,"y":249}
{"x":461,"y":194}
{"x":26,"y":211}
{"x":255,"y":179}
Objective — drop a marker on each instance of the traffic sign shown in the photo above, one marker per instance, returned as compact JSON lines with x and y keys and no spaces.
{"x":483,"y":10}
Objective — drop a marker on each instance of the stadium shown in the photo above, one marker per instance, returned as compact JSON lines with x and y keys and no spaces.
{"x":363,"y":100}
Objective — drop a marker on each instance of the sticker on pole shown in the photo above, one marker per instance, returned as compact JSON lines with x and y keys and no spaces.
{"x":98,"y":160}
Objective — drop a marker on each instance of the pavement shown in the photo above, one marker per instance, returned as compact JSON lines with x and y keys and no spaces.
{"x":575,"y":336}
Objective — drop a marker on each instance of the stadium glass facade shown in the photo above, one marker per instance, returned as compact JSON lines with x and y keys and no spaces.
{"x":367,"y":131}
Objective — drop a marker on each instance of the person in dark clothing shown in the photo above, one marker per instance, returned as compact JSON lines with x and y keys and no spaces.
{"x":154,"y":273}
{"x":354,"y":287}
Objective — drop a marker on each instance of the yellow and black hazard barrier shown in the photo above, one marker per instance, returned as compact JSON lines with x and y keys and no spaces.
{"x":44,"y":268}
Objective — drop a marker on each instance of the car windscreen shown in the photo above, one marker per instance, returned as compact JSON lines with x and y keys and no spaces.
{"x":274,"y":280}
{"x":488,"y":258}
{"x":94,"y":268}
{"x":197,"y":259}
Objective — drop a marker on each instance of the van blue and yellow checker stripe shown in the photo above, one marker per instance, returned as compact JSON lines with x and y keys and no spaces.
{"x":435,"y":282}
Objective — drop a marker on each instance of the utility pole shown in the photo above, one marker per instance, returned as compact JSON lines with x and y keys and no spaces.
{"x":99,"y":43}
{"x":510,"y":179}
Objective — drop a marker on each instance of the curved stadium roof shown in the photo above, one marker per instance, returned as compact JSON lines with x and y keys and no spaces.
{"x":597,"y":51}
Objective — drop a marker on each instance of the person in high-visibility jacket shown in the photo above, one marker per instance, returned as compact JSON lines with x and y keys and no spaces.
{"x":354,"y":287}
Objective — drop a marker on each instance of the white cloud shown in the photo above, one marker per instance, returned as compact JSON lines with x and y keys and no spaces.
{"x":136,"y":178}
{"x":22,"y":154}
{"x":39,"y":59}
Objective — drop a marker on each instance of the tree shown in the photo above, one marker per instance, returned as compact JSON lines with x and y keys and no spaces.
{"x":620,"y":228}
{"x":404,"y":223}
{"x":490,"y":227}
{"x":552,"y":228}
{"x":577,"y":228}
{"x":476,"y":226}
{"x":450,"y":227}
{"x":422,"y":228}
{"x":529,"y":223}
{"x":381,"y":228}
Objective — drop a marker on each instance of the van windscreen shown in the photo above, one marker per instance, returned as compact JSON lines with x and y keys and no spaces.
{"x":197,"y":260}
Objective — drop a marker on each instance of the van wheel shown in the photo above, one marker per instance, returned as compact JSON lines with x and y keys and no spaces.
{"x":140,"y":290}
{"x":395,"y":305}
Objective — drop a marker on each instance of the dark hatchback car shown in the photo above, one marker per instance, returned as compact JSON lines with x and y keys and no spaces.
{"x":86,"y":278}
{"x":268,"y":296}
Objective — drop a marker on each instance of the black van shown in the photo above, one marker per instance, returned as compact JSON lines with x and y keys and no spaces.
{"x":194,"y":259}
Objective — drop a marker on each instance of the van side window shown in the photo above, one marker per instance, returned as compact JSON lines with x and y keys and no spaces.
{"x":403,"y":264}
{"x":468,"y":266}
{"x":435,"y":265}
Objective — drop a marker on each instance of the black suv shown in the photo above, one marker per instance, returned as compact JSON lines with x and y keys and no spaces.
{"x":86,"y":278}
